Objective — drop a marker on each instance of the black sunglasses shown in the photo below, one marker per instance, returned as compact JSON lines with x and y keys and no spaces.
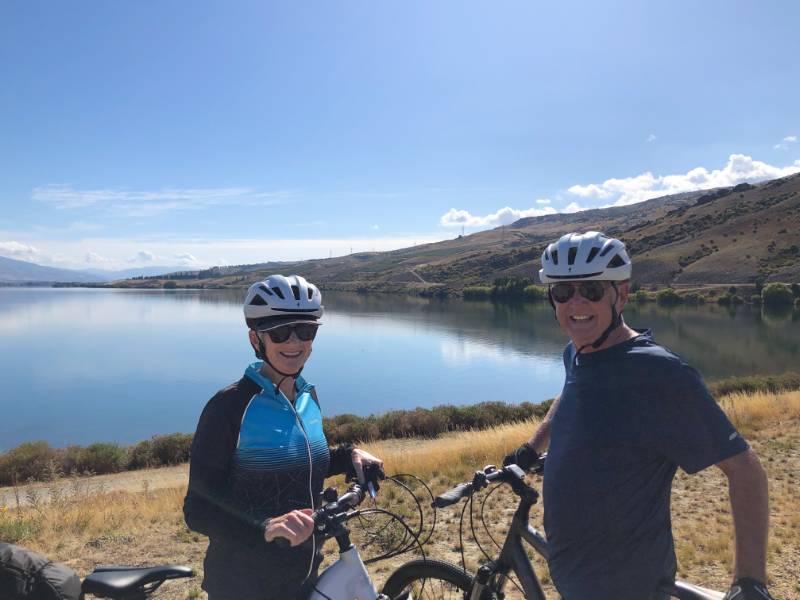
{"x":305,"y":332}
{"x":593,"y":291}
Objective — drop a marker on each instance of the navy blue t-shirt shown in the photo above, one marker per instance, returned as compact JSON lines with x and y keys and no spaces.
{"x":628,"y":416}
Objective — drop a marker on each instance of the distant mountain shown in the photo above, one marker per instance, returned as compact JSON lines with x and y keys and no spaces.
{"x":740,"y":234}
{"x":129,"y":273}
{"x":19,"y":271}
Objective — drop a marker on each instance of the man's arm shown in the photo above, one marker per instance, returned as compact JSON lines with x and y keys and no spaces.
{"x":747,"y":486}
{"x":541,"y":439}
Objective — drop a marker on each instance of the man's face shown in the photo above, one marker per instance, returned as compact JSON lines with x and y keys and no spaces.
{"x":583,"y":320}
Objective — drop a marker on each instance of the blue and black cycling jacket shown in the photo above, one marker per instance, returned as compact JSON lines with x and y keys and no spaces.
{"x":250,"y":462}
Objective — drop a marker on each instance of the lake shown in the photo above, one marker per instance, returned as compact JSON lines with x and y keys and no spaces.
{"x":85,"y":365}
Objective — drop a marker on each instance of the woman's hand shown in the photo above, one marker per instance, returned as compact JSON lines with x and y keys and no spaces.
{"x":296,"y":526}
{"x":361,"y":458}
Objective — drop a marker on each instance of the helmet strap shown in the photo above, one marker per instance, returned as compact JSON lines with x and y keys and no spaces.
{"x":261,"y":354}
{"x":616,"y":321}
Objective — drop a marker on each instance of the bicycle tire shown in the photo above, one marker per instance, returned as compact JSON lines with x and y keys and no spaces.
{"x":435,"y":579}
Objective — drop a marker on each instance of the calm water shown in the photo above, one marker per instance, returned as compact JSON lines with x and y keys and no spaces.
{"x":79,"y":365}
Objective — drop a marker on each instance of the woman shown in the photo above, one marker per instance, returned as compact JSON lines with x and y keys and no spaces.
{"x":259,"y":455}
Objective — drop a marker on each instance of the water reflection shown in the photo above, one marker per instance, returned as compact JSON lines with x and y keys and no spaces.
{"x":83,"y":365}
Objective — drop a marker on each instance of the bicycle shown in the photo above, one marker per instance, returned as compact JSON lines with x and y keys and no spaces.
{"x":347,"y":578}
{"x":425,"y":578}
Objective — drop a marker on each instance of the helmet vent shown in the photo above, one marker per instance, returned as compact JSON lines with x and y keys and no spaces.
{"x":258,"y":301}
{"x":310,"y":293}
{"x":592,"y":253}
{"x":265,"y":289}
{"x":296,"y":292}
{"x":555,"y":257}
{"x":278,"y":293}
{"x":573,"y":252}
{"x":606,"y":250}
{"x":617,"y":261}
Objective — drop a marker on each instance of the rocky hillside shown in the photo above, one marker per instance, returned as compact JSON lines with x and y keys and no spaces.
{"x":729,"y":235}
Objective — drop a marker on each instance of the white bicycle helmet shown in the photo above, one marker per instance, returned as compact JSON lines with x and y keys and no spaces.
{"x":280,"y":300}
{"x":589,"y":256}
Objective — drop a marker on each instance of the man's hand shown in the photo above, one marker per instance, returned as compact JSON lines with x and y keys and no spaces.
{"x":748,"y":589}
{"x":360,"y":459}
{"x":524,"y":457}
{"x":296,"y":526}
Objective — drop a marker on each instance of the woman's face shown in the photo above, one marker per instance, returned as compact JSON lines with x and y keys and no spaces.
{"x":289,"y":356}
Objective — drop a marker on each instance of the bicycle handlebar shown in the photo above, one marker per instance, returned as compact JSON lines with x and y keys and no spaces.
{"x":507,"y":474}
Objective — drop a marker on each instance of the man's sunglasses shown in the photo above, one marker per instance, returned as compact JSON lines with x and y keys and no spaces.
{"x":305,"y":332}
{"x":593,"y":291}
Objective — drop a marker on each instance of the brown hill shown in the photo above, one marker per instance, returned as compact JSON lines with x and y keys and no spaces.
{"x":741,"y":234}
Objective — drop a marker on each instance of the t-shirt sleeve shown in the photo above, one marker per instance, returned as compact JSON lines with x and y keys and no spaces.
{"x":688,"y":426}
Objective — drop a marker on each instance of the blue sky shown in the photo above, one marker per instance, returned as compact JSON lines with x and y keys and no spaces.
{"x":201,"y":133}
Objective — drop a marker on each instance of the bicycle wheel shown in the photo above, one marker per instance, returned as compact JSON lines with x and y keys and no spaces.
{"x":428,"y":580}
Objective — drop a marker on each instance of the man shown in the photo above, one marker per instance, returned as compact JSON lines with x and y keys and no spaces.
{"x":629,"y":414}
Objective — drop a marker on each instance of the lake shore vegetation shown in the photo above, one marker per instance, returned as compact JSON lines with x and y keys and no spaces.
{"x":39,"y":461}
{"x":74,"y":520}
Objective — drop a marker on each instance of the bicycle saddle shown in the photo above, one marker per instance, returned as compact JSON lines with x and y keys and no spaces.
{"x":687,"y":591}
{"x":113,"y":581}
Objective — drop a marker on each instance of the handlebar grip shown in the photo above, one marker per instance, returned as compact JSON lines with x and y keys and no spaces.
{"x":452,"y":496}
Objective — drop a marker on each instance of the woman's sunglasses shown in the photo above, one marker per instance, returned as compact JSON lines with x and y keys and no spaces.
{"x":305,"y":332}
{"x":593,"y":291}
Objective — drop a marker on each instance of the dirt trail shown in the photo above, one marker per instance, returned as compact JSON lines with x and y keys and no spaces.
{"x":128,"y":481}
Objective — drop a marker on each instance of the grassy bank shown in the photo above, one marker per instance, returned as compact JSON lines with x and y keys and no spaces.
{"x":84,"y":524}
{"x":41,"y":462}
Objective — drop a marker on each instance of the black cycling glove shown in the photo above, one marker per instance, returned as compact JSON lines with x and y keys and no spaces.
{"x":748,"y":589}
{"x":524,"y":457}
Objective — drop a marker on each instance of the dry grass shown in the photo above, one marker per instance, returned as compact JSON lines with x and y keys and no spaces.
{"x":84,"y":524}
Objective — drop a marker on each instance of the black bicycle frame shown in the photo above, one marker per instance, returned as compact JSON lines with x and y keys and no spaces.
{"x":513,"y":558}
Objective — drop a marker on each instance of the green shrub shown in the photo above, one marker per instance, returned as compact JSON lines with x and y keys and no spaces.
{"x":31,"y":460}
{"x":140,"y":456}
{"x":755,"y":383}
{"x":796,"y":290}
{"x":668,"y":297}
{"x":777,"y":293}
{"x":170,"y":285}
{"x":694,"y":298}
{"x":101,"y":458}
{"x":641,"y":296}
{"x":477,"y":292}
{"x":171,"y":449}
{"x":755,"y":299}
{"x":534,"y":293}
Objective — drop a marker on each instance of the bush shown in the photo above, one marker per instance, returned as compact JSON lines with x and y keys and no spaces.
{"x":755,"y":299}
{"x":755,"y":383}
{"x":140,"y":456}
{"x":31,"y":460}
{"x":668,"y":297}
{"x":777,"y":293}
{"x":534,"y":293}
{"x":477,"y":292}
{"x":101,"y":458}
{"x":641,"y":297}
{"x":171,"y":449}
{"x":796,"y":290}
{"x":694,"y":298}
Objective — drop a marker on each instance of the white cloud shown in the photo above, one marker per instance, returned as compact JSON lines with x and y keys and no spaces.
{"x":13,"y":249}
{"x":374,"y":227}
{"x":786,"y":142}
{"x":573,"y":207}
{"x":504,"y":216}
{"x":166,"y":250}
{"x":739,"y":169}
{"x":95,"y":258}
{"x":145,"y":203}
{"x":186,"y":259}
{"x":143,"y":256}
{"x":543,"y":201}
{"x":651,"y":138}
